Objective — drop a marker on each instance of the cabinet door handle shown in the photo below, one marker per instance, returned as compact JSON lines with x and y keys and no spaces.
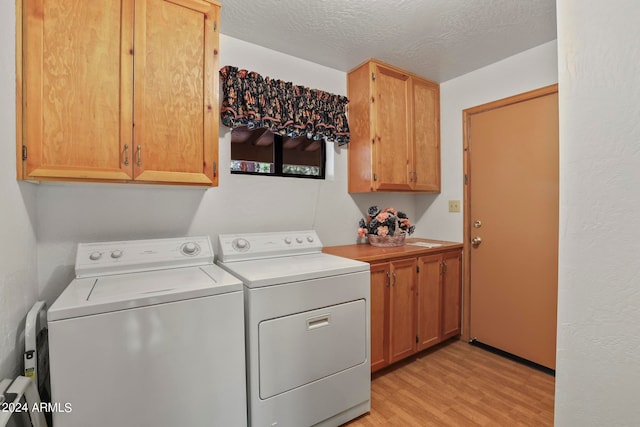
{"x":126,"y":154}
{"x":139,"y":155}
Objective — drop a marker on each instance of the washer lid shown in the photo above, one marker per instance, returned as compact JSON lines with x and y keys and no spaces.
{"x":273,"y":271}
{"x":102,"y":294}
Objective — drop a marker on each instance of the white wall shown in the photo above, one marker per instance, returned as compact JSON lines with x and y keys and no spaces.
{"x":70,"y":213}
{"x":598,"y":356}
{"x":18,"y":282}
{"x":525,"y":71}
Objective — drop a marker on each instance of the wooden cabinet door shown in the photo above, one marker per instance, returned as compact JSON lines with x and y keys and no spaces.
{"x":426,"y":135}
{"x":77,"y":102}
{"x":379,"y":302}
{"x":451,"y":293}
{"x":429,"y":301}
{"x":402,"y":340}
{"x":392,"y":148}
{"x":175,"y":91}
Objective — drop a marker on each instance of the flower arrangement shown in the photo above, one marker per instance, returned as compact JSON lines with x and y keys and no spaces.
{"x":386,"y":222}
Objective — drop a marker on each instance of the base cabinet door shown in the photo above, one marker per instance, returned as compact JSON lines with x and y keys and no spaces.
{"x":402,"y":340}
{"x":379,"y":302}
{"x":451,"y":293}
{"x":429,"y":296}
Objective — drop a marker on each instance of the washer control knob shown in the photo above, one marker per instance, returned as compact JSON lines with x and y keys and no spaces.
{"x":287,"y":240}
{"x":190,"y":248}
{"x":116,"y":254}
{"x":310,"y":239}
{"x":241,"y":245}
{"x":299,"y":239}
{"x":95,"y":256}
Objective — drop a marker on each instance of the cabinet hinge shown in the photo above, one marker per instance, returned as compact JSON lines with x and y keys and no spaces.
{"x":466,"y":179}
{"x":215,"y":26}
{"x":373,"y":76}
{"x":417,"y":339}
{"x":417,"y":269}
{"x":375,"y":176}
{"x":215,"y":169}
{"x":24,"y":152}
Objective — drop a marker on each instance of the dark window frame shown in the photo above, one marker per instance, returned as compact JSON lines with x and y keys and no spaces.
{"x":278,"y":162}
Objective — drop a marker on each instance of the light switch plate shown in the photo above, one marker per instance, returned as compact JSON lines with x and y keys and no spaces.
{"x":454,"y":205}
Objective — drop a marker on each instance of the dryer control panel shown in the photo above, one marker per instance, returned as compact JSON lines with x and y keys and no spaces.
{"x":102,"y":258}
{"x":242,"y":247}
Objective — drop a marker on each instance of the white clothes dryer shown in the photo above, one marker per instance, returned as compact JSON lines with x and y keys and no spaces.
{"x":150,"y":333}
{"x":307,"y":329}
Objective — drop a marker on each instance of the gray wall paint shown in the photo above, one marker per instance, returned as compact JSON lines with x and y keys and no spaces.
{"x":18,"y":252}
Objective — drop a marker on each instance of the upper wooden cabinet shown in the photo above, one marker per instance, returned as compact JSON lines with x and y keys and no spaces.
{"x":118,"y":91}
{"x":394,"y":120}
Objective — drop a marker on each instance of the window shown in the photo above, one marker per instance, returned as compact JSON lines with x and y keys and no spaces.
{"x":261,"y":152}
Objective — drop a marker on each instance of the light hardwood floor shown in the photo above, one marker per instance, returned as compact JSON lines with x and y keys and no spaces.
{"x":457,"y":384}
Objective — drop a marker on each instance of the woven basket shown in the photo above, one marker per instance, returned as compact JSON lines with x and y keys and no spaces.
{"x":386,"y":241}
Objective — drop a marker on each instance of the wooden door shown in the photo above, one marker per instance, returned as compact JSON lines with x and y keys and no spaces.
{"x":426,"y":135}
{"x":175,"y":98}
{"x":392,"y":145}
{"x":77,"y":69}
{"x":402,"y":309}
{"x":451,"y":294}
{"x":379,"y":301}
{"x":429,"y":298}
{"x":513,"y":195}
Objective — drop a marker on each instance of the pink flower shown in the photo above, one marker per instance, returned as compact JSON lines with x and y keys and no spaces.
{"x":362,"y":232}
{"x":382,"y":231}
{"x":382,"y":217}
{"x":391,"y":210}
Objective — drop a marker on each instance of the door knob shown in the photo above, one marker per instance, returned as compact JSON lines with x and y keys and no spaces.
{"x":476,"y":241}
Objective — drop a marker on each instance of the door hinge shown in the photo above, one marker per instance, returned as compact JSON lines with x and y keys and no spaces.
{"x":24,"y":152}
{"x":215,"y":169}
{"x":466,"y":179}
{"x":373,"y":76}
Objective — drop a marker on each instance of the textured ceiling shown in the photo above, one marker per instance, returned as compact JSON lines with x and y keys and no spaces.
{"x":438,"y":39}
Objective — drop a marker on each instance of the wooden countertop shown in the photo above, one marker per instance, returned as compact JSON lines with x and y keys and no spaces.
{"x":366,"y":252}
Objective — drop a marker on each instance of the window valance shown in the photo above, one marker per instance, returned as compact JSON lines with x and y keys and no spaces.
{"x":284,"y":108}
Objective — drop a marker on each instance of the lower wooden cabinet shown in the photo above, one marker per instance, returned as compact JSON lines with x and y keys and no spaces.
{"x":415,"y":304}
{"x":415,"y":295}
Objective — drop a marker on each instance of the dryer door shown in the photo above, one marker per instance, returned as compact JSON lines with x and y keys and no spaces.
{"x":301,"y":348}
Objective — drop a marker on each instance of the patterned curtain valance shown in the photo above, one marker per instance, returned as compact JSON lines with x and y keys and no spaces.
{"x":284,"y":108}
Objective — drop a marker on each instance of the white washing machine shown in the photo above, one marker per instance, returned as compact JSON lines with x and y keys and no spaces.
{"x":307,"y":329}
{"x":150,"y":333}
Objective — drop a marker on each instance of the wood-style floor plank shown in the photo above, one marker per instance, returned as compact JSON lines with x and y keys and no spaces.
{"x":457,"y":384}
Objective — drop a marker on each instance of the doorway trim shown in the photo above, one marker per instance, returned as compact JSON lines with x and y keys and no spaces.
{"x":466,"y":156}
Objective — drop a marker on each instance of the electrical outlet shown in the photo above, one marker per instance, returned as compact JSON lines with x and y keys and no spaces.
{"x":454,"y":205}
